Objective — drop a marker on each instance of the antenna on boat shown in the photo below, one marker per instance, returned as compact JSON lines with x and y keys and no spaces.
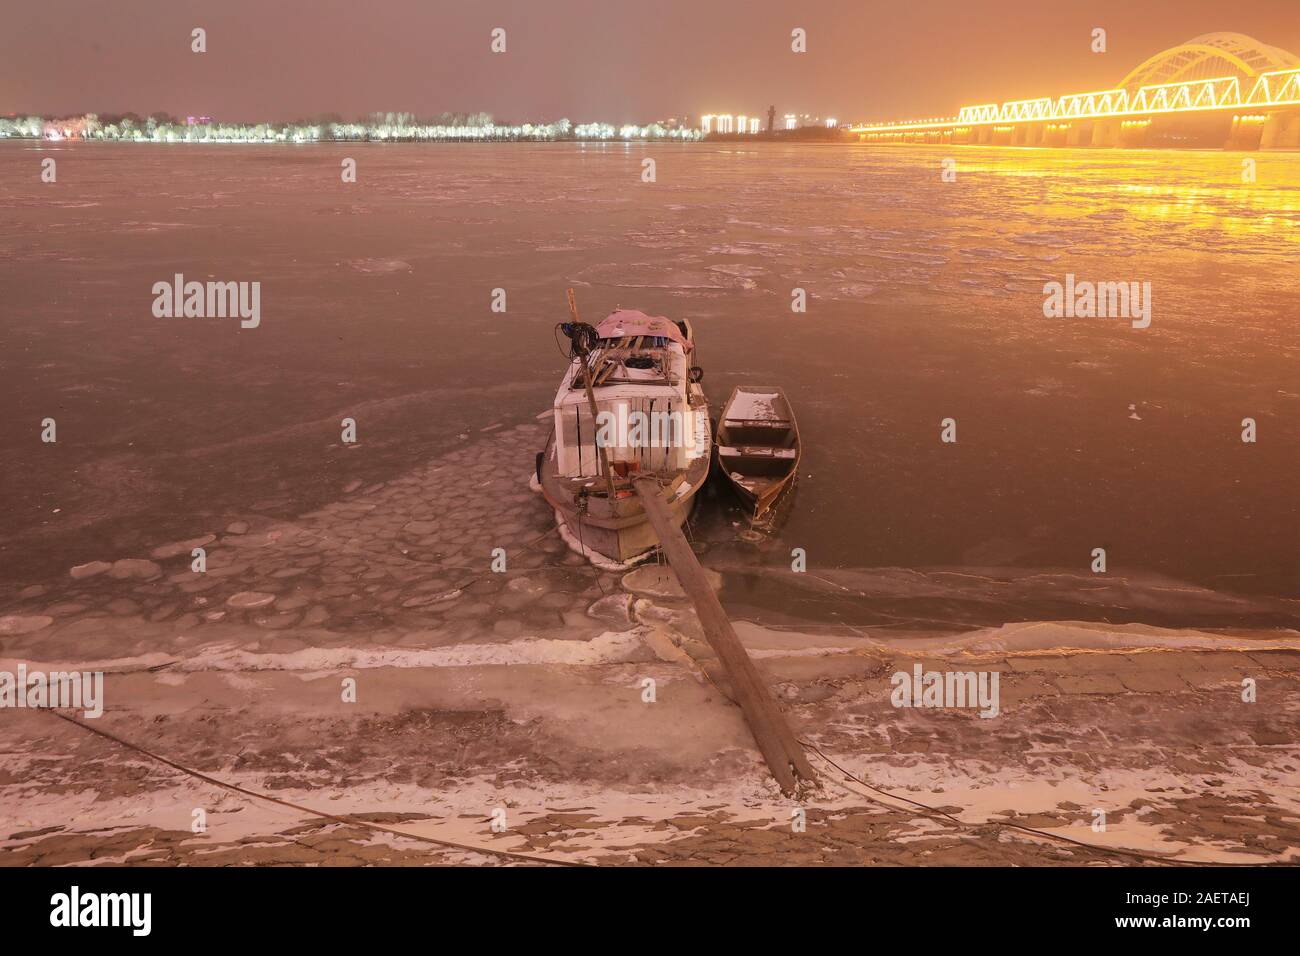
{"x":581,"y":345}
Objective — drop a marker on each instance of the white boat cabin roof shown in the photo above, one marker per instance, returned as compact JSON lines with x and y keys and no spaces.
{"x":623,"y":323}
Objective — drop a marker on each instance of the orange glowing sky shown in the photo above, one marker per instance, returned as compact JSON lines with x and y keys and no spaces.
{"x":619,"y":61}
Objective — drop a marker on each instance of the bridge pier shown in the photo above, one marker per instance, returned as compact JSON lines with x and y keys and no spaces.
{"x":1281,"y":131}
{"x":1247,"y":133}
{"x":1079,"y":134}
{"x":1133,"y":133}
{"x":1056,"y":134}
{"x":1105,"y":133}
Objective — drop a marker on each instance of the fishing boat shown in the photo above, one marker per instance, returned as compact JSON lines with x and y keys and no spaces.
{"x":629,"y":407}
{"x":758,"y":445}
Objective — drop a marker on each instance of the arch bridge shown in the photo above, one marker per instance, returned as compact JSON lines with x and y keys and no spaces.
{"x":1223,"y":88}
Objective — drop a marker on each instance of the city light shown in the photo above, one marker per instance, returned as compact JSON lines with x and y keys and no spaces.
{"x":726,"y":123}
{"x":386,"y":127}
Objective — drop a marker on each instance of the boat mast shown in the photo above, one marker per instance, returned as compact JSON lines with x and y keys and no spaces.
{"x":579,"y":345}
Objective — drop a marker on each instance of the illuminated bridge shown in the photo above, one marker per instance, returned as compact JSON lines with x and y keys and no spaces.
{"x":1221,"y":89}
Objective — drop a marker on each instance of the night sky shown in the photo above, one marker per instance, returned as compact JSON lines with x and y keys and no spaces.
{"x":612,"y":60}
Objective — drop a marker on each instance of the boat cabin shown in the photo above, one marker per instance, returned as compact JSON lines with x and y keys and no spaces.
{"x":650,"y":417}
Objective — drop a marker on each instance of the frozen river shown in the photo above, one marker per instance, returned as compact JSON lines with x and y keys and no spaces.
{"x":924,"y":302}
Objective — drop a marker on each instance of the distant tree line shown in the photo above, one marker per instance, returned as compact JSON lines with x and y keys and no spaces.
{"x":377,"y":127}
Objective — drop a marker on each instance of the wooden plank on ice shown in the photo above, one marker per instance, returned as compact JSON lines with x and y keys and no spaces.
{"x":785,"y":758}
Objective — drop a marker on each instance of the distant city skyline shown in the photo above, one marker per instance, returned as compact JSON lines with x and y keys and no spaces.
{"x":582,"y":59}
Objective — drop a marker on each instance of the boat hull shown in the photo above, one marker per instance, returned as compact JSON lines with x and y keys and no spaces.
{"x":621,"y":533}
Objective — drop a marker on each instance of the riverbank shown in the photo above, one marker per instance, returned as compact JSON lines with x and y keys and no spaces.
{"x":521,"y":699}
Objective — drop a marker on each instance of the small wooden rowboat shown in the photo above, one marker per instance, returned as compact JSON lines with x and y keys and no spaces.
{"x":758,"y":445}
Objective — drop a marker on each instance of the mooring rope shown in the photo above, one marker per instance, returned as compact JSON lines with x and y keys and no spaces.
{"x":973,"y":825}
{"x":347,"y":821}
